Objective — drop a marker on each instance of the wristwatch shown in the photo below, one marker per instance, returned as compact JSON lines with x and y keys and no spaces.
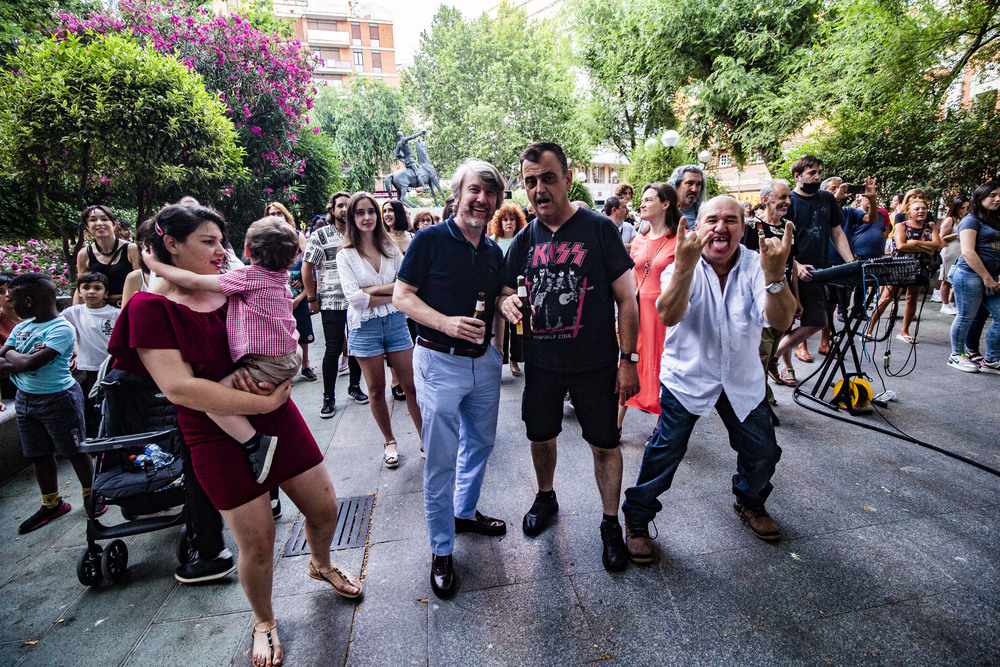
{"x":630,"y":356}
{"x":774,"y":288}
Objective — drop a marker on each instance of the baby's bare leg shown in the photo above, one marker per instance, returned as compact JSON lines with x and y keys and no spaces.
{"x":236,"y":427}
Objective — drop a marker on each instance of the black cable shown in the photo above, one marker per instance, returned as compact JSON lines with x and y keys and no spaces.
{"x":798,"y":393}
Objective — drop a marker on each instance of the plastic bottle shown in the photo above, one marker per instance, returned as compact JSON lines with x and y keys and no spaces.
{"x":159,"y":457}
{"x":142,"y":462}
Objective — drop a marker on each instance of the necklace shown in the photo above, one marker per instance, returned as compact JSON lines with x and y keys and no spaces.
{"x":114,"y":250}
{"x":649,"y":259}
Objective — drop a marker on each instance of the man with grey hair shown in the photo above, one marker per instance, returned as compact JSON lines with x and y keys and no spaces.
{"x":450,"y":272}
{"x":776,"y":196}
{"x":716,"y":297}
{"x":689,"y":181}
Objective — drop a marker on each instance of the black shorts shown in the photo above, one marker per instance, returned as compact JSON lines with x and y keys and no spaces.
{"x":813,"y":298}
{"x":594,"y":398}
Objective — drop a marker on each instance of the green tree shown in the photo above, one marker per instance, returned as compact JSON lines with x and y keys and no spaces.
{"x":107,"y":120}
{"x":580,"y":192}
{"x":321,"y":177}
{"x":739,"y":69}
{"x":362,"y":119}
{"x":624,"y":104}
{"x":490,"y":87}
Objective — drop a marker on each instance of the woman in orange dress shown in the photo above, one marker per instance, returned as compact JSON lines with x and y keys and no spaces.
{"x":652,"y":251}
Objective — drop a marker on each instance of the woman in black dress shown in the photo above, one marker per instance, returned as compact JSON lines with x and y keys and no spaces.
{"x":107,"y":253}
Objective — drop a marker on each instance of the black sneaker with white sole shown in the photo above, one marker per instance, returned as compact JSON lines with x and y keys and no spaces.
{"x":260,"y":458}
{"x":199,"y":570}
{"x":329,"y":407}
{"x":354,"y":391}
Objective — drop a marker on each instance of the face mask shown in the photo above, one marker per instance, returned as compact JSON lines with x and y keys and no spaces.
{"x":809,"y":188}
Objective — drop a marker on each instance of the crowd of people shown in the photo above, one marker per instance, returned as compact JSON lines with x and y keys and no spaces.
{"x":651,"y":305}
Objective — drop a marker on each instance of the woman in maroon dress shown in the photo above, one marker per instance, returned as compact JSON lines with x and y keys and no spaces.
{"x":179,"y":337}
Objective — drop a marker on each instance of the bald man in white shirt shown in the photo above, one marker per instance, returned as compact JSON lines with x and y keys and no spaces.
{"x":716,"y":298}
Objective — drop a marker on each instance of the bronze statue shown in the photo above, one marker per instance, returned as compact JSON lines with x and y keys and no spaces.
{"x":416,"y":172}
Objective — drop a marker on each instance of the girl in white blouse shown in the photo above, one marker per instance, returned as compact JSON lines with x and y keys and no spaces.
{"x":368,"y":263}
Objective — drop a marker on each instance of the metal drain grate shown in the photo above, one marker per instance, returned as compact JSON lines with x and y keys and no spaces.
{"x":353,"y":517}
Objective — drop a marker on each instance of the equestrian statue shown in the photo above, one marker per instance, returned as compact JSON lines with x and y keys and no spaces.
{"x":416,"y":172}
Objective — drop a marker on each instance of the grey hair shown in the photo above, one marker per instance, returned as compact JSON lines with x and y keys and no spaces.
{"x":827,"y":181}
{"x":486,"y":172}
{"x":768,"y":188}
{"x":703,"y":208}
{"x":678,"y":175}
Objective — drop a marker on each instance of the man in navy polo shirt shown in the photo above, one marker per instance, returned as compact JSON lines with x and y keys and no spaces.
{"x":455,"y":369}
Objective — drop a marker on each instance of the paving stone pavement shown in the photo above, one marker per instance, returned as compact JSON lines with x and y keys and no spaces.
{"x":890,"y":553}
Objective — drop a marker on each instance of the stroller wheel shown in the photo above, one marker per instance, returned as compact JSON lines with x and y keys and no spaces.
{"x":88,"y":568}
{"x":114,"y":560}
{"x":185,"y":547}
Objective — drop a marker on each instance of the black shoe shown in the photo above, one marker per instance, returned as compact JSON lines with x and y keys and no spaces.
{"x":308,"y":374}
{"x":398,"y":393}
{"x":542,"y":511}
{"x":260,"y":458}
{"x":199,"y":569}
{"x":329,"y":407}
{"x":354,"y":391}
{"x":276,"y":508}
{"x":615,"y":554}
{"x":482,"y":524}
{"x":43,"y":516}
{"x":443,"y":581}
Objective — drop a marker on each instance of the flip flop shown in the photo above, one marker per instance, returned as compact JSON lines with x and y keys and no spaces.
{"x":906,"y":339}
{"x":335,"y":571}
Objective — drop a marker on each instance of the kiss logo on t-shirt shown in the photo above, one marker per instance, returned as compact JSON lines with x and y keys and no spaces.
{"x":557,"y":289}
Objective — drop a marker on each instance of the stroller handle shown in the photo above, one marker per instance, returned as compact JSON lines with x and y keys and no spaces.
{"x":119,"y":442}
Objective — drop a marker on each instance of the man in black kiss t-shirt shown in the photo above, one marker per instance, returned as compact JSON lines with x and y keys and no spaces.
{"x":576,"y":269}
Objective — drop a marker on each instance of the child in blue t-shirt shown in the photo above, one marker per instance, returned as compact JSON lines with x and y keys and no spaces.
{"x":49,"y":401}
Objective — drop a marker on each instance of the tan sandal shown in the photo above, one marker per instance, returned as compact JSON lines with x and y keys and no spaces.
{"x":273,"y":645}
{"x":346,"y":577}
{"x":515,"y":369}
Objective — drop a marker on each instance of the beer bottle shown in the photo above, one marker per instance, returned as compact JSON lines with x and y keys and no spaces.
{"x":480,"y":313}
{"x":523,"y":326}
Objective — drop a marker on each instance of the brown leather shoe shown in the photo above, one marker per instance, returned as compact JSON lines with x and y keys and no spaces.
{"x":802,"y":353}
{"x":772,"y":370}
{"x":759,"y":521}
{"x":824,"y":349}
{"x":639,"y":544}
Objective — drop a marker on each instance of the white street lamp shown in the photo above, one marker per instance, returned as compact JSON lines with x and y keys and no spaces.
{"x":705,"y":157}
{"x":670,"y":138}
{"x":581,"y":176}
{"x":650,"y":143}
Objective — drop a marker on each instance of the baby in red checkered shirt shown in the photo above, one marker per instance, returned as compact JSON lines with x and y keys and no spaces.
{"x":259,"y":322}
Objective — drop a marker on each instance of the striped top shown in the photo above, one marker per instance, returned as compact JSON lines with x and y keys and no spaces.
{"x":260,"y":312}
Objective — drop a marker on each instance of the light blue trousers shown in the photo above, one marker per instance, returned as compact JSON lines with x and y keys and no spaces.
{"x":459,"y":399}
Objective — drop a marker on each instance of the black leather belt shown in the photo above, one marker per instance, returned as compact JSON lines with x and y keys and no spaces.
{"x":455,"y":351}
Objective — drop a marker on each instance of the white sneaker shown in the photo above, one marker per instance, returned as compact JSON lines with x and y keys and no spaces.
{"x":936,"y":296}
{"x":990,"y":366}
{"x":962,"y":363}
{"x":949,"y":309}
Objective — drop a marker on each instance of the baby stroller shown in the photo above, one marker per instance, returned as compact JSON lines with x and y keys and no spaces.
{"x":134,"y":415}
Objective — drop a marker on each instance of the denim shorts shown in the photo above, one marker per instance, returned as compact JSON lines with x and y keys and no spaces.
{"x":50,"y":423}
{"x":379,"y":335}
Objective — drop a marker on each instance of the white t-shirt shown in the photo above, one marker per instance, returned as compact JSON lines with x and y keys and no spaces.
{"x":93,"y":331}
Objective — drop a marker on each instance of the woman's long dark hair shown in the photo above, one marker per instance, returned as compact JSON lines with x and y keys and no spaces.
{"x":987,"y":217}
{"x":180,"y":222}
{"x":379,"y":235}
{"x":956,"y":205}
{"x":666,"y":194}
{"x":400,"y":222}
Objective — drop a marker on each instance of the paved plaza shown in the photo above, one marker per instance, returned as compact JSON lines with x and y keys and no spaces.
{"x":890,"y":554}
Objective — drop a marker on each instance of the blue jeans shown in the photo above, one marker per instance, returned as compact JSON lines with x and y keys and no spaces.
{"x":459,"y":399}
{"x":970,"y":292}
{"x":757,"y":454}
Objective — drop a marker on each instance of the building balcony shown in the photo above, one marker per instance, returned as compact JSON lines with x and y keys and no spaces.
{"x":328,"y":38}
{"x":331,"y":66}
